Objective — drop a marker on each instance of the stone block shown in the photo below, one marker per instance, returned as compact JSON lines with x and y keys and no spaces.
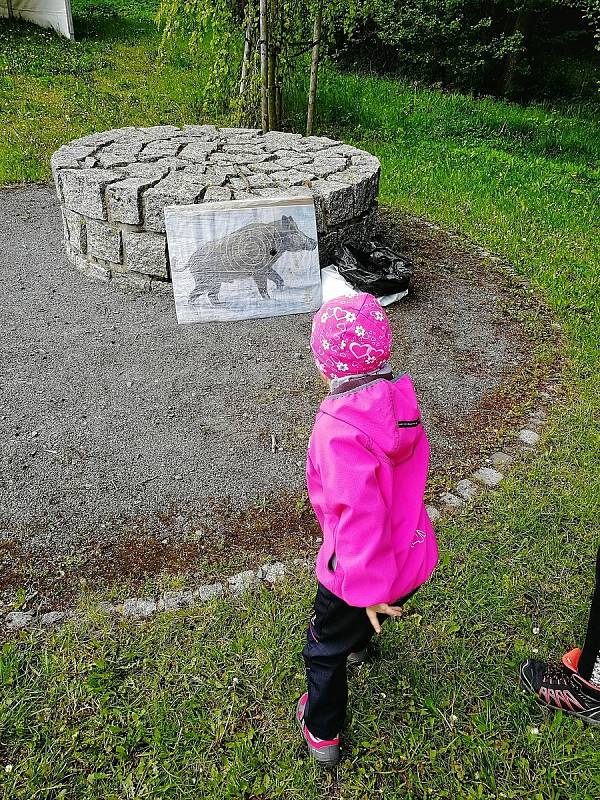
{"x":168,"y":163}
{"x":365,"y":185}
{"x":87,"y":266}
{"x":83,"y":190}
{"x":310,"y":144}
{"x":265,"y":166}
{"x":104,"y":242}
{"x":139,"y":607}
{"x":501,"y":459}
{"x":242,"y":581}
{"x":175,"y":189}
{"x":251,"y":181}
{"x":118,"y":154}
{"x":16,"y":620}
{"x":153,"y":170}
{"x":277,"y":140}
{"x":365,"y":161}
{"x":466,"y":489}
{"x":161,"y":148}
{"x":197,"y":152}
{"x":163,"y":288}
{"x":146,"y":253}
{"x":528,"y":437}
{"x":226,"y":133}
{"x":216,"y":194}
{"x":271,"y":573}
{"x":239,"y":158}
{"x":69,"y":156}
{"x":52,"y":618}
{"x":210,"y":175}
{"x":433,"y":513}
{"x":123,"y":198}
{"x":76,"y":234}
{"x":245,"y":149}
{"x":132,"y":281}
{"x":252,"y":140}
{"x":208,"y":132}
{"x":335,"y":200}
{"x":345,"y":151}
{"x":451,"y":500}
{"x":175,"y":601}
{"x":208,"y":592}
{"x":354,"y":232}
{"x":322,"y":167}
{"x":488,"y":476}
{"x":96,"y":140}
{"x":158,"y":132}
{"x":292,"y":177}
{"x":292,"y":156}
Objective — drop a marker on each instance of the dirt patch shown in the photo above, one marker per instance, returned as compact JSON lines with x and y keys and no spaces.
{"x":134,"y":447}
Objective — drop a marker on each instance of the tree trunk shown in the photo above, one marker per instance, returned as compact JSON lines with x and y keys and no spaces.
{"x":522,"y":23}
{"x":314,"y":67}
{"x":264,"y":68}
{"x":272,"y":65}
{"x":246,"y":57}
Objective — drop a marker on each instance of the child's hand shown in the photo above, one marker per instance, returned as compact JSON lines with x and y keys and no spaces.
{"x":381,"y":608}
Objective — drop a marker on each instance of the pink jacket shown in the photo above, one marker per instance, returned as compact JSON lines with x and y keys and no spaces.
{"x":366,"y":471}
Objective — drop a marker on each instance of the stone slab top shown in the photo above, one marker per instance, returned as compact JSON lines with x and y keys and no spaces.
{"x":128,"y":160}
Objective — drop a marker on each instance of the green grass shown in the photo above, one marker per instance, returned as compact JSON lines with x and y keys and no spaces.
{"x":103,"y":710}
{"x":52,"y":90}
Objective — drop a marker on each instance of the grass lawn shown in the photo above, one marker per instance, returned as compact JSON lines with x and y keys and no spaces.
{"x":199,"y":705}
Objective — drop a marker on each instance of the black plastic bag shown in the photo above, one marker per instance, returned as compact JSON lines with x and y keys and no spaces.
{"x":374,"y":268}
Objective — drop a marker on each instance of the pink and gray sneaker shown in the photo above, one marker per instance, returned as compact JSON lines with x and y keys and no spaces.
{"x":326,"y":752}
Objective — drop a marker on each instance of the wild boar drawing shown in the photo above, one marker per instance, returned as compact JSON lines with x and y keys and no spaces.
{"x":249,"y":252}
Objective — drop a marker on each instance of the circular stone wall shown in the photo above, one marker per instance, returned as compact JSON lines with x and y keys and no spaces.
{"x":114,"y":185}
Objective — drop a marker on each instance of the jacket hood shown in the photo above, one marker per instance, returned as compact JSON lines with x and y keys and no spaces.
{"x":387,"y":412}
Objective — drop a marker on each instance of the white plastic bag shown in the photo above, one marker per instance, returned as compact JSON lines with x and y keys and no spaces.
{"x":335,"y":285}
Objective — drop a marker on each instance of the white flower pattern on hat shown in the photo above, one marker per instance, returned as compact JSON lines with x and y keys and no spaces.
{"x":351,"y":336}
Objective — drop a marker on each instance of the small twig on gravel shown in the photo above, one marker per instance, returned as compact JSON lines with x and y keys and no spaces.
{"x":147,"y":480}
{"x":273,"y":443}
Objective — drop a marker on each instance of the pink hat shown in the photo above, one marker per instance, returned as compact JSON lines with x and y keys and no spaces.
{"x":351,"y":336}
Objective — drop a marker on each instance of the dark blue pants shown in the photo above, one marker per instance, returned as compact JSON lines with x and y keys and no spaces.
{"x":335,"y":630}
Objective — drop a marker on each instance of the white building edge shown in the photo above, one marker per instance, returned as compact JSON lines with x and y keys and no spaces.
{"x":54,"y":14}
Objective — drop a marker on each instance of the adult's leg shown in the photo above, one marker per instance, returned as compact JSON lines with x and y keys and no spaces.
{"x":589,"y":660}
{"x":575,"y":690}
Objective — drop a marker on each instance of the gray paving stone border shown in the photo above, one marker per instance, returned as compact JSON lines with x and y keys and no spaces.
{"x":143,"y":608}
{"x":113,"y":186}
{"x":488,"y":476}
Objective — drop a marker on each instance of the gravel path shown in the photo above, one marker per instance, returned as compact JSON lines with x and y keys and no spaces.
{"x":109,"y":410}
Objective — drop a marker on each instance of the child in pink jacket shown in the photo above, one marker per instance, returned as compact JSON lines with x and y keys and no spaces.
{"x":366,"y":470}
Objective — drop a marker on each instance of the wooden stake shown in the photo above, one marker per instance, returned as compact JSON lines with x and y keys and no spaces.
{"x":246,"y":56}
{"x":272,"y":65}
{"x":264,"y":69}
{"x":314,"y":67}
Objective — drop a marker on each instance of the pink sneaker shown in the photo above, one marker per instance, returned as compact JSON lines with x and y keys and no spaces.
{"x":326,"y":752}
